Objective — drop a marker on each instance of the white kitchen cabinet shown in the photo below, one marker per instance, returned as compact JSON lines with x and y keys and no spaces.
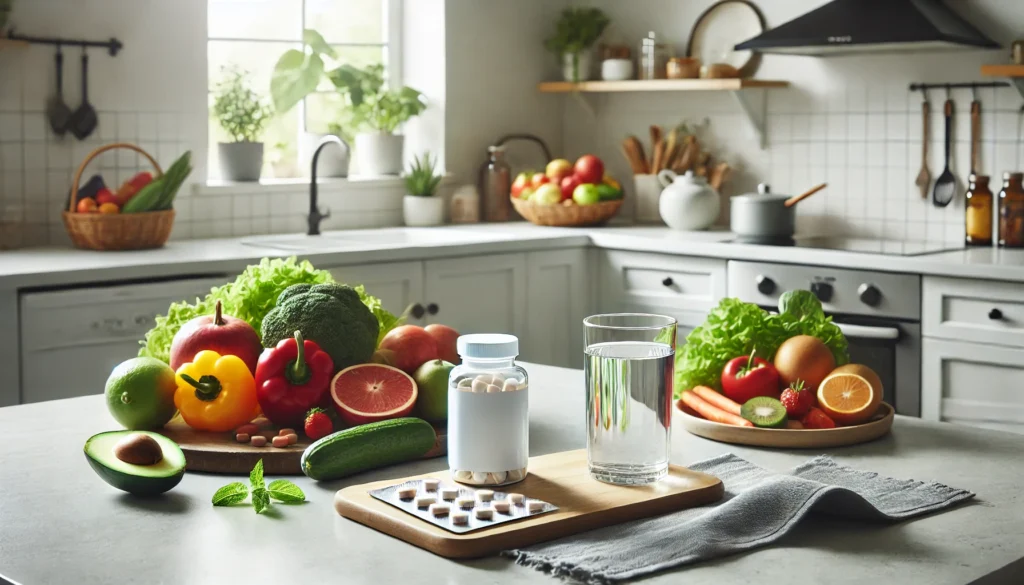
{"x":973,"y":383}
{"x":72,"y":339}
{"x":683,"y":283}
{"x":398,"y":285}
{"x":973,"y":310}
{"x":556,"y":302}
{"x":477,"y":294}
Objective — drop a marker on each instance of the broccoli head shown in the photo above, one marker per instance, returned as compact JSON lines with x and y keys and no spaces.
{"x":332,"y":315}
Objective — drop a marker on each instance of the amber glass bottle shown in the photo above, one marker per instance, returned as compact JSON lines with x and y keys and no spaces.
{"x":1011,"y":211}
{"x":978,"y":212}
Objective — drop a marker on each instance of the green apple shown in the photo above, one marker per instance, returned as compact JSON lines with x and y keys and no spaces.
{"x":526,"y":192}
{"x":432,"y":382}
{"x":547,"y":194}
{"x":586,"y":194}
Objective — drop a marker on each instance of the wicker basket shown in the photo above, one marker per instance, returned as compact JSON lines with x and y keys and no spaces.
{"x":567,"y":215}
{"x":121,"y":231}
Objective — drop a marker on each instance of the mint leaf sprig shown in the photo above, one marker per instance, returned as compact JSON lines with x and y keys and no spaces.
{"x":281,"y":490}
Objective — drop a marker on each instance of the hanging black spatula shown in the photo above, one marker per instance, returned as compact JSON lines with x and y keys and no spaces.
{"x":58,"y":112}
{"x":945,"y":185}
{"x":83,"y":122}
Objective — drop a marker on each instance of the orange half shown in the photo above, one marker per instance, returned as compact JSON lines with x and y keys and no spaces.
{"x":850,"y":397}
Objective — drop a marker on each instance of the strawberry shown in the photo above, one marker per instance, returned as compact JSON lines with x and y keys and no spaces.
{"x":797,"y":399}
{"x":816,"y":419}
{"x":318,"y":424}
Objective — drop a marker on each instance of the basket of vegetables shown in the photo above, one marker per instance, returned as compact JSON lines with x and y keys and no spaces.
{"x":137,"y":216}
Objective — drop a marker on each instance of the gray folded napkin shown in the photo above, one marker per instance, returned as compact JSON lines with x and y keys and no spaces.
{"x":758,"y":508}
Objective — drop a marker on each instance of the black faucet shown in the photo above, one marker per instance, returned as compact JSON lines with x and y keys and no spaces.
{"x":315,"y":217}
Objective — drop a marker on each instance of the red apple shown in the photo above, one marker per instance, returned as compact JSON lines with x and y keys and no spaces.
{"x":522,"y":180}
{"x":569,"y":185}
{"x":589,"y":169}
{"x":221,"y":333}
{"x":539,"y":179}
{"x":558,"y":169}
{"x":412,"y":345}
{"x":446,"y":338}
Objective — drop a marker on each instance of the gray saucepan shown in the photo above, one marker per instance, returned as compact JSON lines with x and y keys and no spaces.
{"x":766,"y":217}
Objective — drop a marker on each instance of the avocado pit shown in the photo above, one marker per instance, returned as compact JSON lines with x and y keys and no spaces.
{"x":138,"y":449}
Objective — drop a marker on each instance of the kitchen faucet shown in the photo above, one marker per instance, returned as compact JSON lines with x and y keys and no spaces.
{"x":315,"y":216}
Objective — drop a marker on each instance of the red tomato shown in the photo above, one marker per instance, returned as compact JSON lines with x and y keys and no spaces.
{"x":569,"y":185}
{"x":589,"y":169}
{"x":746,"y":377}
{"x":105,"y":195}
{"x":140,"y":180}
{"x":539,"y":179}
{"x":522,"y":180}
{"x":87,"y":205}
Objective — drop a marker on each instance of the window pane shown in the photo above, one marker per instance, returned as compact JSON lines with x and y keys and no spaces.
{"x":256,"y":19}
{"x":256,"y":58}
{"x":347,"y":21}
{"x":280,"y":146}
{"x":358,"y":56}
{"x":323,"y":110}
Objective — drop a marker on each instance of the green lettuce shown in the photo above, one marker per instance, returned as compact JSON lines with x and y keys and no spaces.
{"x":735,"y":328}
{"x":250,"y":297}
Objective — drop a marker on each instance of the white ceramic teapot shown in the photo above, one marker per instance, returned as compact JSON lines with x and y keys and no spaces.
{"x":687,"y":201}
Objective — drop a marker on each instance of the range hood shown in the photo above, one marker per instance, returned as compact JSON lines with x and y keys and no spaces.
{"x":861,"y":26}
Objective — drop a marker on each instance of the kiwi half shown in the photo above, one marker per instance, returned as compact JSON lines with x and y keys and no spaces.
{"x":765,"y":412}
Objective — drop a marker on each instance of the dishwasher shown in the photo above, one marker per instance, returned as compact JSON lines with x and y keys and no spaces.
{"x":72,"y":338}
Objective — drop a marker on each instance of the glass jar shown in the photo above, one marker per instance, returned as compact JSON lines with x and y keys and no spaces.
{"x":488,"y":412}
{"x":653,"y":58}
{"x":1011,"y":211}
{"x":978,"y":211}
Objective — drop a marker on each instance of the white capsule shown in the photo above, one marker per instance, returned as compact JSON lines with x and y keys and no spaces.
{"x":462,"y":475}
{"x":407,"y":493}
{"x":485,"y":378}
{"x":492,"y":389}
{"x":516,"y":499}
{"x":439,"y":509}
{"x":424,"y":501}
{"x":501,"y":506}
{"x":479,"y":386}
{"x":460,"y":518}
{"x":465,"y":502}
{"x":535,"y":506}
{"x":485,"y":495}
{"x":449,"y":493}
{"x":465,"y":383}
{"x":430,"y":484}
{"x":498,"y":379}
{"x":498,"y":477}
{"x":480,"y":477}
{"x":510,"y":385}
{"x":516,"y":474}
{"x":484,"y":513}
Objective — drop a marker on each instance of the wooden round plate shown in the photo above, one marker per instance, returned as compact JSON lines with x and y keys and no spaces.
{"x":878,"y":426}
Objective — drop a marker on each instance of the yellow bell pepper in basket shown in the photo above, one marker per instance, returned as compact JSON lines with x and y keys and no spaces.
{"x":215,"y":393}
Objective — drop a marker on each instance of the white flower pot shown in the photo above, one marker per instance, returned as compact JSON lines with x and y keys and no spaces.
{"x":333,"y":161}
{"x":577,"y":66}
{"x":423,"y":211}
{"x":379,"y":153}
{"x":240,"y":161}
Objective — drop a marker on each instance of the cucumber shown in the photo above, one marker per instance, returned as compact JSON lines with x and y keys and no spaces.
{"x":146,"y":197}
{"x":367,"y":446}
{"x":176,"y":175}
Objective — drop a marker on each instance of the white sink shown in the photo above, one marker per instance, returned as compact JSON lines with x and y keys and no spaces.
{"x":362,"y":239}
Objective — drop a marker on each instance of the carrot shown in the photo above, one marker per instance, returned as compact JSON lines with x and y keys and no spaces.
{"x":717,"y":399}
{"x":713,"y":413}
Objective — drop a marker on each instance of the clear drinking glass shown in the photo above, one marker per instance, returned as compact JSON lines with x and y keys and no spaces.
{"x":629,"y":367}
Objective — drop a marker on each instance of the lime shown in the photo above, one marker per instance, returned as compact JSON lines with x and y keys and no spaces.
{"x":607,"y":192}
{"x":432,"y":380}
{"x":140,"y":393}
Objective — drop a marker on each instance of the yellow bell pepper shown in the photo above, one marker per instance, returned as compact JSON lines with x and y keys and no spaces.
{"x":215,"y":392}
{"x":612,"y":183}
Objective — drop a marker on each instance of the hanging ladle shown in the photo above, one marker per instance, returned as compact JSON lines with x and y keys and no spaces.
{"x":57,"y":112}
{"x":84,"y":120}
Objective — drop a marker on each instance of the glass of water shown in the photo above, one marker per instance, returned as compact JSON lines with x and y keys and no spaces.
{"x":629,"y":367}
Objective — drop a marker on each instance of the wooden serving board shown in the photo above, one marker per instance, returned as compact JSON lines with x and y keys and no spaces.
{"x":878,"y":426}
{"x":561,"y":479}
{"x":220,"y":453}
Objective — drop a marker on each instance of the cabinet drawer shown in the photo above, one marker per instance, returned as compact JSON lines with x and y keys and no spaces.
{"x":973,"y":310}
{"x":680,"y":282}
{"x":974,"y":384}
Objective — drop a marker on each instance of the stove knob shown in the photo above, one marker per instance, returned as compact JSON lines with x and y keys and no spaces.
{"x":765,"y":285}
{"x":822,"y":290}
{"x":869,"y":294}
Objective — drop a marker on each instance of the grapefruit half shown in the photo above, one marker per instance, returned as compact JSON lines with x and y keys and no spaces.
{"x":367,"y":393}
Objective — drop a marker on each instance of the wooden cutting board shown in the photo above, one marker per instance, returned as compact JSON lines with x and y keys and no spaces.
{"x":220,"y":453}
{"x":561,"y":479}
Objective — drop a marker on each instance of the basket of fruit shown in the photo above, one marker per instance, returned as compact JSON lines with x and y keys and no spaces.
{"x":568,"y":195}
{"x":137,"y":216}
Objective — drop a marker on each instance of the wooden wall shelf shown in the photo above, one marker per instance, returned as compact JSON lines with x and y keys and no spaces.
{"x":659,"y":85}
{"x":1015,"y":73}
{"x":12,"y":44}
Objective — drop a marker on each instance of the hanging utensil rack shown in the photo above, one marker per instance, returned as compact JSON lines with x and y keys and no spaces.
{"x":972,"y":85}
{"x":113,"y":45}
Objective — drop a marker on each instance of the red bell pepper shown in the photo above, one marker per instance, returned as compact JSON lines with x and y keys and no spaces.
{"x":291,"y":379}
{"x":746,"y":377}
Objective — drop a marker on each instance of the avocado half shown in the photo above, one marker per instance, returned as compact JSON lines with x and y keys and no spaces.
{"x":143,"y":480}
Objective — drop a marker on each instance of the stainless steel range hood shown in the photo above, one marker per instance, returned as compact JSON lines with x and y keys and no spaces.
{"x":861,"y":26}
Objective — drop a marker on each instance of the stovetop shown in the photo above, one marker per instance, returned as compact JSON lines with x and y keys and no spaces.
{"x":863,"y":245}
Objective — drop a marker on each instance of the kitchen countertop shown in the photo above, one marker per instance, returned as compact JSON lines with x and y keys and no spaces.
{"x":59,"y":523}
{"x":42,"y":267}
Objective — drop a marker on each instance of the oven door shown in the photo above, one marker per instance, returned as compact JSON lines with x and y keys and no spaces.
{"x":893,"y":350}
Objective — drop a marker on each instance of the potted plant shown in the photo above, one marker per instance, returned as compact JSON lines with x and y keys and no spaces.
{"x":575,"y":33}
{"x":243,"y":114}
{"x":421,"y":205}
{"x":373,"y":111}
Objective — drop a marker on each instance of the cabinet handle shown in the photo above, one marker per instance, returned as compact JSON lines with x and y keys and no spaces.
{"x":995,"y":315}
{"x":433,"y":309}
{"x":668,"y":281}
{"x":417,"y":311}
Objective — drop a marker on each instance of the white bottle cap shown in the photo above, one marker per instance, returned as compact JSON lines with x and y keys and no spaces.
{"x":488,"y":346}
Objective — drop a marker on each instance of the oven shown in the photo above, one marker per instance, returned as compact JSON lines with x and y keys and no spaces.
{"x":878,"y":312}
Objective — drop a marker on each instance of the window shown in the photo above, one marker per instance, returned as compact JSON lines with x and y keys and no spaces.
{"x":253,"y":34}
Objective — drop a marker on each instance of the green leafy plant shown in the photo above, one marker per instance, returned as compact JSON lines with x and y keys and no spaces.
{"x":371,"y":103}
{"x":422,"y":180}
{"x":281,"y":490}
{"x":577,"y":30}
{"x":239,"y":110}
